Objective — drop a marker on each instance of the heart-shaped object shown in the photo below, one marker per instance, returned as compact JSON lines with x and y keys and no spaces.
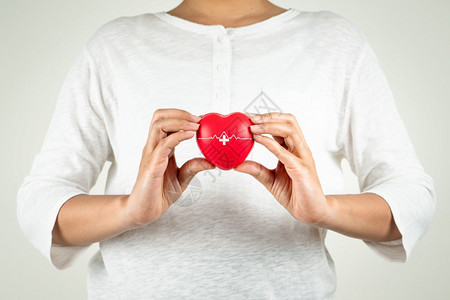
{"x":225,"y":141}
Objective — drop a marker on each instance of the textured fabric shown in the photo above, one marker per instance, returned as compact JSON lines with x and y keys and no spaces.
{"x":226,"y":237}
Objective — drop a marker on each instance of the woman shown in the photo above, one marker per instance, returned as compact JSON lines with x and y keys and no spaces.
{"x":315,"y":93}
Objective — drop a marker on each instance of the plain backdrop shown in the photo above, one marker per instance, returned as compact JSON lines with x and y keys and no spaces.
{"x":40,"y":39}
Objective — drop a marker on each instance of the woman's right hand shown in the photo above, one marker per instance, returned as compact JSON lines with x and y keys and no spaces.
{"x":160,"y":182}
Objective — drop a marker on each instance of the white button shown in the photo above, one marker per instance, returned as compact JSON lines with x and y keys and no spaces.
{"x":221,"y":38}
{"x":220,"y":95}
{"x":221,"y":67}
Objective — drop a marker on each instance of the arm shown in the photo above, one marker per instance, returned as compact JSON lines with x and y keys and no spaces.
{"x":295,"y":184}
{"x":74,"y":151}
{"x":365,"y":216}
{"x":86,"y":219}
{"x":54,"y":209}
{"x":398,"y":199}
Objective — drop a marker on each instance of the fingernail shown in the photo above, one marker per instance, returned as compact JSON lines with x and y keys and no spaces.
{"x":256,"y":118}
{"x":196,"y":118}
{"x":255,"y":127}
{"x":192,"y":124}
{"x":251,"y":114}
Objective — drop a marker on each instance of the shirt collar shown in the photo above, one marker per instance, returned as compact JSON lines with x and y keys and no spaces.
{"x":252,"y":28}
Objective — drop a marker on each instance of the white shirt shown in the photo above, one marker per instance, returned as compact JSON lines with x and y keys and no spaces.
{"x":226,"y":237}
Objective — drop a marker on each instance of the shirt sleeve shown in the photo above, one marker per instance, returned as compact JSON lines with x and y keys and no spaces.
{"x":73,"y":153}
{"x":377,"y":146}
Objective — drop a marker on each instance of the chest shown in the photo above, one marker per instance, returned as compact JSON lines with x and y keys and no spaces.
{"x":223,"y":77}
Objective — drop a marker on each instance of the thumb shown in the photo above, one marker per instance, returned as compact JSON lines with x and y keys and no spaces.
{"x":261,"y":173}
{"x":190,"y":168}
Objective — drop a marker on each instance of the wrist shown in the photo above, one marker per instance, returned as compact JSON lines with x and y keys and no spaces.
{"x":127,"y":220}
{"x":135,"y":216}
{"x":328,"y":220}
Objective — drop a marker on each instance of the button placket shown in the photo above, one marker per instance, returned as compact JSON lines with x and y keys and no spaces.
{"x":221,"y":38}
{"x":221,"y":72}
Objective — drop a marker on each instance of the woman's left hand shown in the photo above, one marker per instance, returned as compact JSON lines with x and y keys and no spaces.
{"x":294,"y":182}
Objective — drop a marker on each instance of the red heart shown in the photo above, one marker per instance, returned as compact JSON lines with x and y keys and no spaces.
{"x":225,"y":141}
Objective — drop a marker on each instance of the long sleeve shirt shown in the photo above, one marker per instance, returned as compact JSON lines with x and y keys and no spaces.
{"x":226,"y":237}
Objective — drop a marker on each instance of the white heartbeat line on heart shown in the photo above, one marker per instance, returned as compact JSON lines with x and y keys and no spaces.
{"x":224,"y":138}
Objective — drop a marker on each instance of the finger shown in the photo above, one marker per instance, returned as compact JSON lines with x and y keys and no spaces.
{"x":278,"y":139}
{"x":273,"y":117}
{"x":168,"y":144}
{"x":167,"y":113}
{"x":190,"y":168}
{"x":258,"y":171}
{"x":277,"y":117}
{"x":163,"y":127}
{"x":172,"y":160}
{"x":289,"y":160}
{"x":172,"y":153}
{"x":286,"y":131}
{"x":169,"y":125}
{"x":164,"y":113}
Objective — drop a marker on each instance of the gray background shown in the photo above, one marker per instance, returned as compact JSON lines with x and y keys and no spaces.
{"x":39,"y":41}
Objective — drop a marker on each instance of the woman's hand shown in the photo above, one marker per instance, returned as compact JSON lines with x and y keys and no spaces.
{"x":160,"y":182}
{"x":294,"y":182}
{"x":86,"y":219}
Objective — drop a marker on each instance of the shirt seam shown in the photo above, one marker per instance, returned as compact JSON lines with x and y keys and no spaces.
{"x":96,"y":73}
{"x":349,"y":100}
